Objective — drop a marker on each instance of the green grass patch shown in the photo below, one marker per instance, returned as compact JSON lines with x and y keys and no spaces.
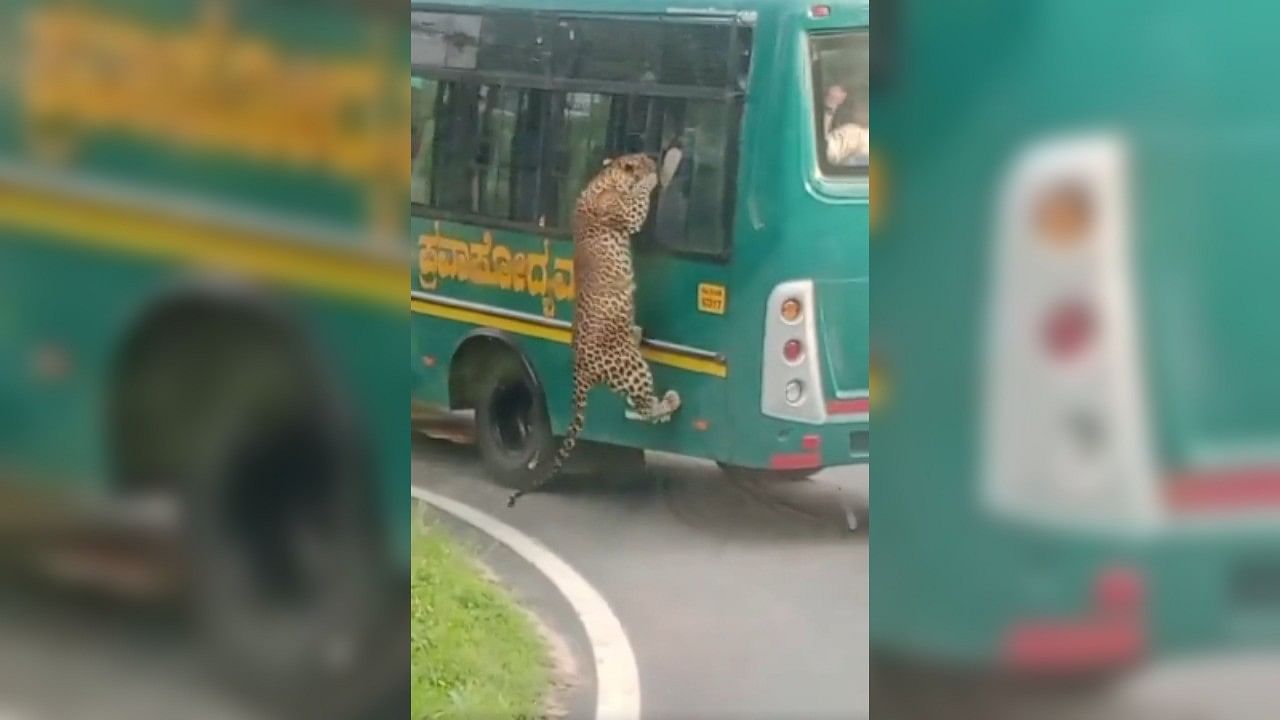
{"x":475,"y":654}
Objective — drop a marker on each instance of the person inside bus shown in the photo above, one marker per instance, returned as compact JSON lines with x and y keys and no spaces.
{"x":673,"y":180}
{"x":844,"y":122}
{"x":835,"y":97}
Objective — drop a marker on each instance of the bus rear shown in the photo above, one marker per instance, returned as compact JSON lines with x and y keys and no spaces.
{"x":1080,"y":454}
{"x":800,"y":359}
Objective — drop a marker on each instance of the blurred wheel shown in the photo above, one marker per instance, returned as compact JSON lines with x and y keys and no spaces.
{"x":291,"y":583}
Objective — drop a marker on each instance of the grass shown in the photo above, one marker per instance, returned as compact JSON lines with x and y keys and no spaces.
{"x":475,"y":654}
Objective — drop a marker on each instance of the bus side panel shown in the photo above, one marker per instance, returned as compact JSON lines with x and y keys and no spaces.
{"x":57,"y":340}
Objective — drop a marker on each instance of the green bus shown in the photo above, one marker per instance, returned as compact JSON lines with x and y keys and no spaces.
{"x":201,"y":228}
{"x":751,"y":273}
{"x":1078,"y":463}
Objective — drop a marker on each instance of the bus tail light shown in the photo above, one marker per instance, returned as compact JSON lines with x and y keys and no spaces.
{"x":1068,"y":329}
{"x":793,"y":351}
{"x":791,"y":383}
{"x":820,"y":11}
{"x":1065,"y":436}
{"x":1063,"y":215}
{"x":792,"y":310}
{"x":795,"y":392}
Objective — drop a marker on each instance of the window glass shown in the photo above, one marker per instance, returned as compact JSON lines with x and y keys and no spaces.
{"x":694,"y":54}
{"x":427,"y":38}
{"x":514,"y":44}
{"x":840,"y":72}
{"x":495,"y":163}
{"x":609,"y":50}
{"x":523,"y":154}
{"x":422,"y":135}
{"x":454,"y":185}
{"x":694,"y":200}
{"x":444,"y":40}
{"x":584,"y":147}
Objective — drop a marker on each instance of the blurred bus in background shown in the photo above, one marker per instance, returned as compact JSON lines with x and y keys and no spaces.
{"x":1078,"y":451}
{"x":203,"y":323}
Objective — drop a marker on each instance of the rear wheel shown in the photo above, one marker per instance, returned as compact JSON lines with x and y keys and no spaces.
{"x":737,"y":472}
{"x":289,"y":576}
{"x":291,"y":585}
{"x":513,"y":428}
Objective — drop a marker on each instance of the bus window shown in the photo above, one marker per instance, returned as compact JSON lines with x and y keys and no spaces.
{"x":840,"y":75}
{"x":445,"y":40}
{"x":483,"y":149}
{"x":585,"y":146}
{"x":694,"y":208}
{"x":524,"y":109}
{"x":422,"y":135}
{"x":608,"y":50}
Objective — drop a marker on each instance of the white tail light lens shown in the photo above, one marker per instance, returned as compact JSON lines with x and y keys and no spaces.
{"x":795,"y":392}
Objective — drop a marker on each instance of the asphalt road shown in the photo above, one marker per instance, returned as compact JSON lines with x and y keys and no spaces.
{"x":740,"y":600}
{"x":65,"y":656}
{"x":750,"y":601}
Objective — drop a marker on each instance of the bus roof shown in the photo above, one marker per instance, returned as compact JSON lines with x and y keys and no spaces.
{"x":640,"y":7}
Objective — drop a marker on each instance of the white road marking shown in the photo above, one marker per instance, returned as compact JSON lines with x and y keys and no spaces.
{"x":617,"y":677}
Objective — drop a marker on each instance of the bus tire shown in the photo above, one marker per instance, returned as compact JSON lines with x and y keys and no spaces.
{"x":291,"y":585}
{"x":758,"y":475}
{"x":289,"y":580}
{"x":513,"y":427}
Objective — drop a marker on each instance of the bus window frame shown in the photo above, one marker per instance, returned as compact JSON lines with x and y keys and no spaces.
{"x":733,"y":95}
{"x":829,"y":180}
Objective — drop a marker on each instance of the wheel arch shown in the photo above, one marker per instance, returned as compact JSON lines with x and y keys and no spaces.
{"x":472,"y":357}
{"x":202,"y":303}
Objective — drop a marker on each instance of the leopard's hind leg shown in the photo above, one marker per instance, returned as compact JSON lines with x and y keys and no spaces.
{"x":632,"y":378}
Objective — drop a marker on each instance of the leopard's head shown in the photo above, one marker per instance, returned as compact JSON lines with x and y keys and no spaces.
{"x":621,"y":192}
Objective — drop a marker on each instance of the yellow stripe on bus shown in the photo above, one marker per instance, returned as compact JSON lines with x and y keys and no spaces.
{"x":87,"y":223}
{"x":171,"y":238}
{"x":528,"y":328}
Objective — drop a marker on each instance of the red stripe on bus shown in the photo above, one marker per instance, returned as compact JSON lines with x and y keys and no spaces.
{"x":1060,"y":646}
{"x":795,"y":461}
{"x":852,"y":406}
{"x":1113,"y":632}
{"x":1233,"y":489}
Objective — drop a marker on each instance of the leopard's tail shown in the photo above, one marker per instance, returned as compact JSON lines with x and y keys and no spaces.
{"x":566,"y":446}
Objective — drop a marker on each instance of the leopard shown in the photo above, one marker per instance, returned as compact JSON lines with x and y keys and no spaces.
{"x":606,"y":341}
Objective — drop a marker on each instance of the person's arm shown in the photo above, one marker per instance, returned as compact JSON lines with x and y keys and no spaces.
{"x":670,"y":164}
{"x":845,"y":142}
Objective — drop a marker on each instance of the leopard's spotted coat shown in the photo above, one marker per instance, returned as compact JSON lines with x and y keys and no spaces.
{"x":606,"y":340}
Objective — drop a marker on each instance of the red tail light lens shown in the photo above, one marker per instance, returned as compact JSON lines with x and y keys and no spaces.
{"x":820,"y":11}
{"x":793,"y":350}
{"x":1069,"y":330}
